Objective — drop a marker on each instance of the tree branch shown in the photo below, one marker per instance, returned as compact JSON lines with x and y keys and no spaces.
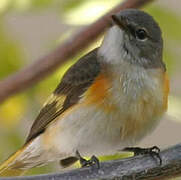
{"x":134,"y":168}
{"x":44,"y":66}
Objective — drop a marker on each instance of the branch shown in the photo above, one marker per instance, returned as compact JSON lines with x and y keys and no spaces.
{"x":44,"y":66}
{"x":134,"y":168}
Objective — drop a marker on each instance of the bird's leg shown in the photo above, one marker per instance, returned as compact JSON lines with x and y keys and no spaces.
{"x":94,"y":161}
{"x":153,"y":151}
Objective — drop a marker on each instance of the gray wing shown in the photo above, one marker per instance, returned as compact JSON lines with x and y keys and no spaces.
{"x":74,"y":83}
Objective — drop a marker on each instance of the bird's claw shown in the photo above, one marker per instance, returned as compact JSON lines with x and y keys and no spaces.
{"x":153,"y":151}
{"x":93,"y":161}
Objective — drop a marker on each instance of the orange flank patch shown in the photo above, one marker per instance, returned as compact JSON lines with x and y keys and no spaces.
{"x":98,"y":94}
{"x":166,"y":90}
{"x":98,"y":90}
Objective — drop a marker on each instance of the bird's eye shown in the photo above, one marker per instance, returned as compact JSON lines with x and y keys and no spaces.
{"x":141,"y":34}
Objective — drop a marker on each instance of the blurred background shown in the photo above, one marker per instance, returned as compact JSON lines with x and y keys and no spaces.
{"x":31,"y":28}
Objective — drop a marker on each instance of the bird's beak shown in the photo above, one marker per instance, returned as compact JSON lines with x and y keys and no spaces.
{"x":120,"y":21}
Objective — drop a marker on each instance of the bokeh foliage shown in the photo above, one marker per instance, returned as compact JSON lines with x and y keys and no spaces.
{"x":19,"y":111}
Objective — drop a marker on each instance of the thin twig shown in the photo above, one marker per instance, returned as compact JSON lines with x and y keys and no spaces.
{"x":44,"y":66}
{"x":136,"y":168}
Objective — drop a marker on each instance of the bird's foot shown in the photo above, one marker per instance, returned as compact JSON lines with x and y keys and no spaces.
{"x":93,"y":161}
{"x":152,"y":151}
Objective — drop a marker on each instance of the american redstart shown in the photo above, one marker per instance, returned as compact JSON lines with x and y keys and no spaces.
{"x":110,"y":99}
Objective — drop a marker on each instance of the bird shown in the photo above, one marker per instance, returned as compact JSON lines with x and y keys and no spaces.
{"x":110,"y":99}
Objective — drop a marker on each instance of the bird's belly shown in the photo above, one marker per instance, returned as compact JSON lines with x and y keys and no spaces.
{"x":89,"y":130}
{"x":94,"y":130}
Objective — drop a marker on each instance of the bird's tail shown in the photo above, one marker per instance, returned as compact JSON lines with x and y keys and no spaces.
{"x":29,"y":156}
{"x":32,"y":154}
{"x":9,"y":167}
